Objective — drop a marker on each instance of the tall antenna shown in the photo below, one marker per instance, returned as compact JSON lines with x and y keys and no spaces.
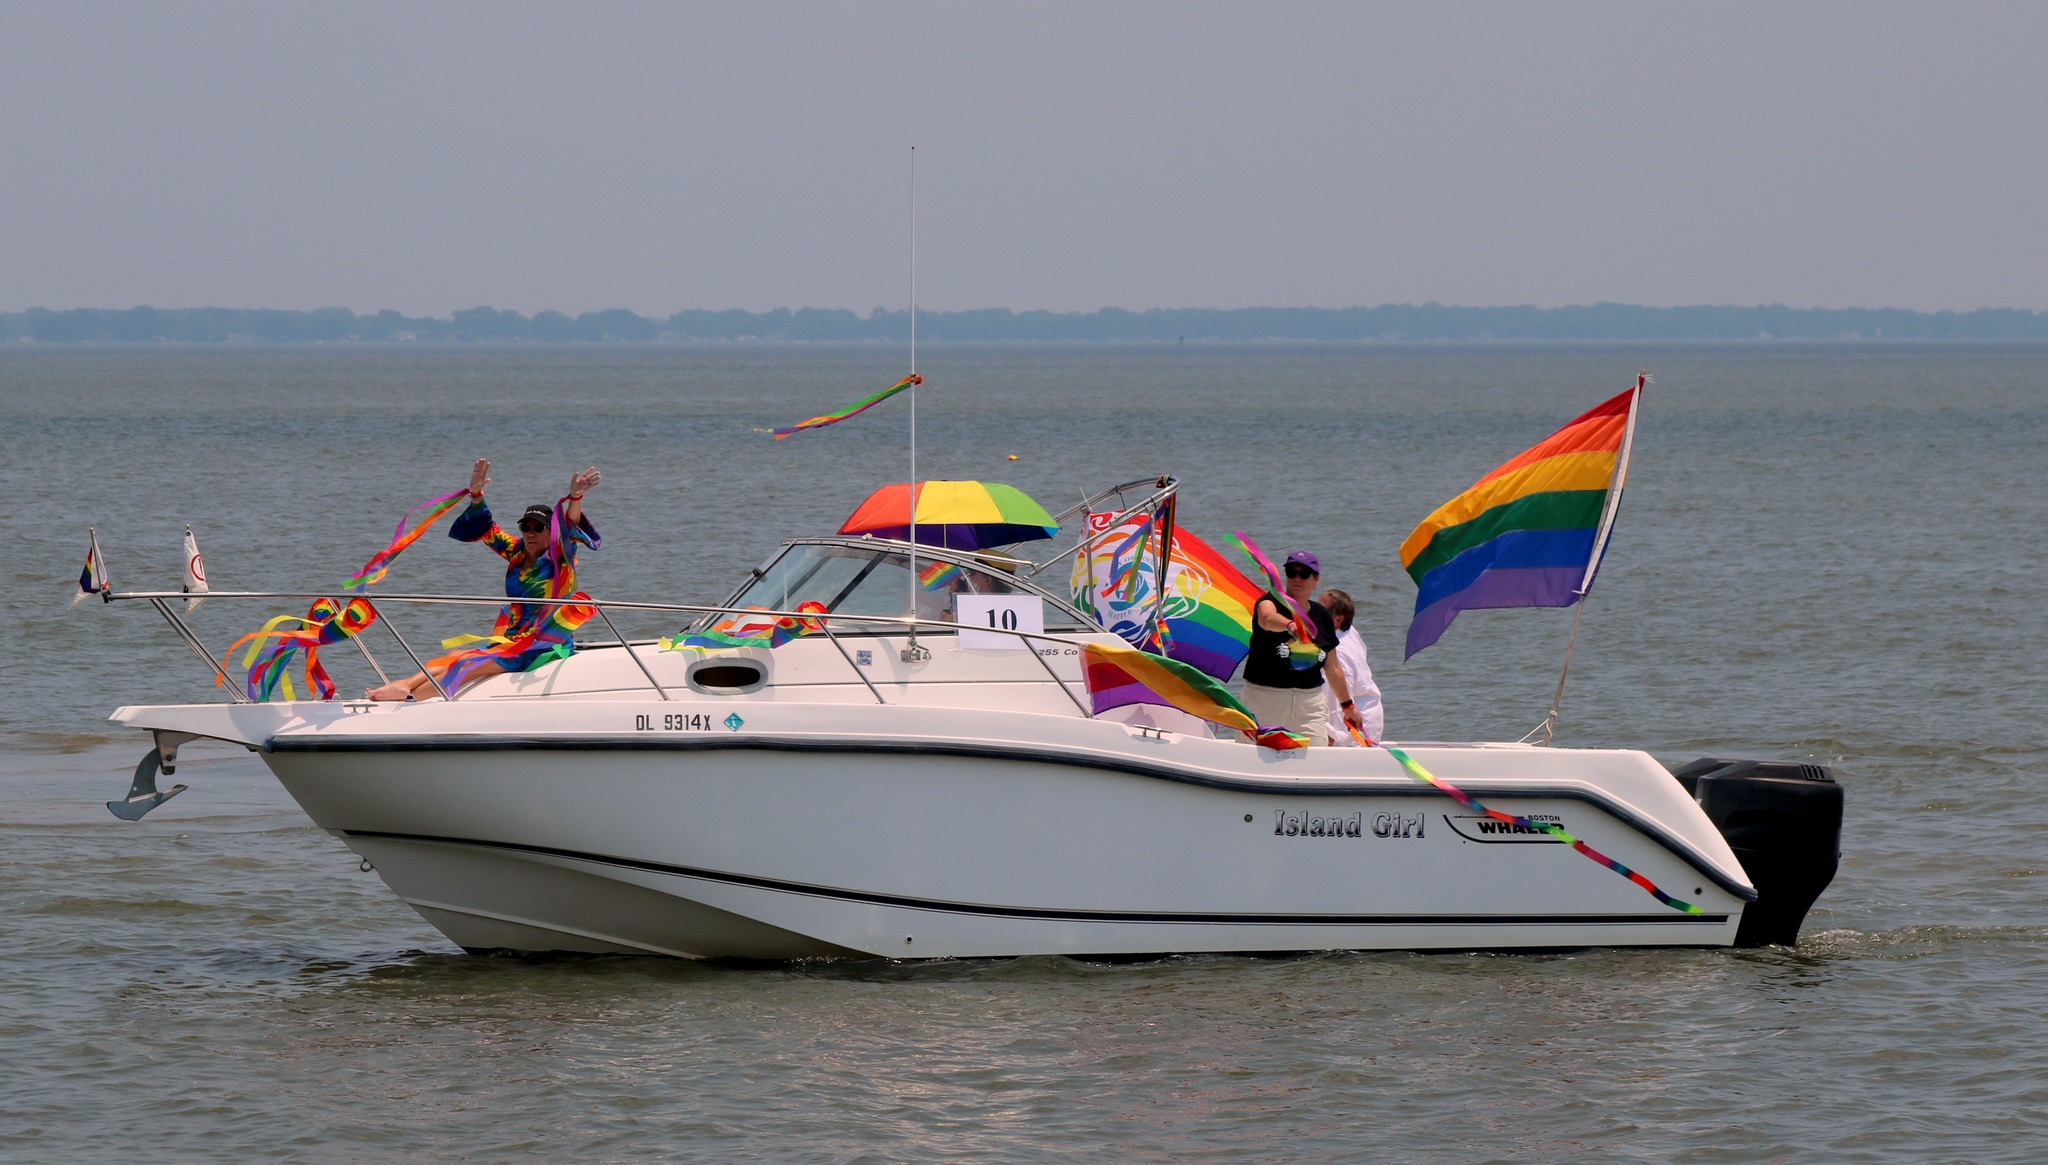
{"x":911,"y":651}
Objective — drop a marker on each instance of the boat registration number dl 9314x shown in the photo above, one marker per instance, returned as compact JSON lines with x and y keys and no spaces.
{"x":676,"y":722}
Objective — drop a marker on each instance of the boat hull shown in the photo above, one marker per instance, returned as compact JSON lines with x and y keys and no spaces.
{"x":765,"y":848}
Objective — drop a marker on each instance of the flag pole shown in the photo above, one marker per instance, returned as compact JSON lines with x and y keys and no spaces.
{"x":1163,"y":557}
{"x":1615,"y":484}
{"x":911,"y":651}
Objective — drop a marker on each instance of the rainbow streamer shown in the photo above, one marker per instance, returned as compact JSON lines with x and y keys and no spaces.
{"x":937,"y":575}
{"x":1528,"y":534}
{"x":1279,"y":738}
{"x":734,"y":632}
{"x":328,"y":621}
{"x":325,"y":622}
{"x":1302,"y":654}
{"x":380,"y":562}
{"x":859,"y":406}
{"x":1117,"y":675}
{"x":1454,"y":793}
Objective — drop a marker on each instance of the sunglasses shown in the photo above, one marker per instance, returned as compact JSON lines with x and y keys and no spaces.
{"x":1300,"y":572}
{"x":531,"y":525}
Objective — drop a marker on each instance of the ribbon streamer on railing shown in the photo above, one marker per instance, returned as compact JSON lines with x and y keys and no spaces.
{"x":326,"y":621}
{"x":736,"y":631}
{"x":1456,"y":794}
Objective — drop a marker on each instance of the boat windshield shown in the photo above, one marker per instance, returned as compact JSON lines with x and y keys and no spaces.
{"x":859,"y":580}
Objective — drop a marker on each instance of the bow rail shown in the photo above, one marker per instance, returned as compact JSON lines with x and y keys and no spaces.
{"x":878,"y":624}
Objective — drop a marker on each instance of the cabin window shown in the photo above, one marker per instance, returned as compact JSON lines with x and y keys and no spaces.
{"x":858,"y":580}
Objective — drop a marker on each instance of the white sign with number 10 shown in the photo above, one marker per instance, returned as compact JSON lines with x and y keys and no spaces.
{"x":983,"y":617}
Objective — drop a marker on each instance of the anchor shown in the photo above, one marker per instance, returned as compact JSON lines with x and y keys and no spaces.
{"x":142,"y":792}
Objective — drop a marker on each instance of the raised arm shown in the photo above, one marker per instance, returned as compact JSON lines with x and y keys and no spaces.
{"x":475,"y":523}
{"x":576,"y":527}
{"x":580,"y":483}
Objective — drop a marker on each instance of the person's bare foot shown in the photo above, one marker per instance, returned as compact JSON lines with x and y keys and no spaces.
{"x":391,"y":691}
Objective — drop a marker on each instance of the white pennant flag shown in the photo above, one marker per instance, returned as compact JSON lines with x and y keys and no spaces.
{"x":195,"y":571}
{"x":93,"y":579}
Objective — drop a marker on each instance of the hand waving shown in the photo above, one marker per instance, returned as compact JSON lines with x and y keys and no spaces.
{"x":583,"y":482}
{"x":479,"y":476}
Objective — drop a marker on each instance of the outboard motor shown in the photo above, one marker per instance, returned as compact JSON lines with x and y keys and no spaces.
{"x":1784,"y":822}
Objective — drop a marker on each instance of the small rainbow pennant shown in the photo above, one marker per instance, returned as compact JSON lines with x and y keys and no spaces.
{"x":93,"y":579}
{"x":936,"y":575}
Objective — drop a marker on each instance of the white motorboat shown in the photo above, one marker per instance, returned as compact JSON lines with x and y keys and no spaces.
{"x":903,"y":785}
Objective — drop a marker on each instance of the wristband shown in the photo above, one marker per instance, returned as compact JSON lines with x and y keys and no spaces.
{"x":1348,"y":704}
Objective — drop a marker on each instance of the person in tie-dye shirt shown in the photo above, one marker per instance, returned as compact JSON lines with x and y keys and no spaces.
{"x":526,"y":635}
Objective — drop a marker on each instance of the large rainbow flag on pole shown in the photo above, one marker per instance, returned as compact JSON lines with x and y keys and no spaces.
{"x":1529,"y":534}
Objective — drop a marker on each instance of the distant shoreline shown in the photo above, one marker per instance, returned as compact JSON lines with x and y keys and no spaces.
{"x":1391,"y":324}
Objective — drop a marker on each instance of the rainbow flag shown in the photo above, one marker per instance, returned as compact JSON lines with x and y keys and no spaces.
{"x":1529,"y":534}
{"x":93,"y":579}
{"x":1205,"y":617}
{"x":1214,"y":634}
{"x":936,"y":575}
{"x":1118,"y":676}
{"x":861,"y":405}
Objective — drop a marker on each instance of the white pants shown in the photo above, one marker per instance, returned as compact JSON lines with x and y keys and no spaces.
{"x":1303,"y":710}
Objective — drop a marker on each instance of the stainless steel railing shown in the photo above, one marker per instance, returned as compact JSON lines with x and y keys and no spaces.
{"x":878,"y":624}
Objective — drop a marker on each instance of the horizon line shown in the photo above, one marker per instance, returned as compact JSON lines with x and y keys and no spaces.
{"x":1396,"y":323}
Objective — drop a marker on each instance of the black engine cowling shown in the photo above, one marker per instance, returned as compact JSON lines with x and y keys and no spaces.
{"x":1784,"y":822}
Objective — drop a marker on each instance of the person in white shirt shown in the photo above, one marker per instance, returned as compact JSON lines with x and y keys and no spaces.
{"x":1357,"y":673}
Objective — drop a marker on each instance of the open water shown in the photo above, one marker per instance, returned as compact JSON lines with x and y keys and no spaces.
{"x":1829,"y":553}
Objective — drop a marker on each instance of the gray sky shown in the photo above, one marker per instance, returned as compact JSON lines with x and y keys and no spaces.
{"x":1070,"y":156}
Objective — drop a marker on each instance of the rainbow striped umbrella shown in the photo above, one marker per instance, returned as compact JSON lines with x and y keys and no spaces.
{"x":963,"y":515}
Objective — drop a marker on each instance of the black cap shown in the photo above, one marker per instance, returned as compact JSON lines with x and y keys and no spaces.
{"x":544,"y":513}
